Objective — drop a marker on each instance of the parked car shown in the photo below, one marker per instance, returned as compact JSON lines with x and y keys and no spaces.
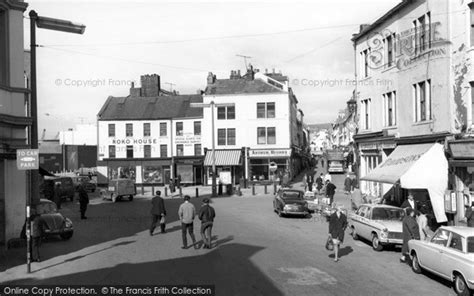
{"x":448,"y":254}
{"x":290,"y":202}
{"x":119,"y":188}
{"x":57,"y":223}
{"x":85,"y":181}
{"x":380,"y":224}
{"x":66,"y":187}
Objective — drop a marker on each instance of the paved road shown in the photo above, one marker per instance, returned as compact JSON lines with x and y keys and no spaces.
{"x":257,"y":253}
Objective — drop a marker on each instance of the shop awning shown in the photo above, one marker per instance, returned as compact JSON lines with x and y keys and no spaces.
{"x":223,"y":157}
{"x":420,"y":166}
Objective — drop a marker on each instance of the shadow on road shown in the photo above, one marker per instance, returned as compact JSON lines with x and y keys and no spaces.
{"x":228,"y":267}
{"x":343,"y":252}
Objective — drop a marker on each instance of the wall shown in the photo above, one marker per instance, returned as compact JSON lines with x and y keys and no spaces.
{"x":15,"y":199}
{"x":188,"y":139}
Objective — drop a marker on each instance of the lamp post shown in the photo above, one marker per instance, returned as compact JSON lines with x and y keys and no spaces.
{"x":48,"y":24}
{"x":212,"y":105}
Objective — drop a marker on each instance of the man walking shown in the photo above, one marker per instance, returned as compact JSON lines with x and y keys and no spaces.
{"x":409,"y":203}
{"x":348,"y":184}
{"x":186,"y":214}
{"x":319,"y":183}
{"x":310,"y":180}
{"x":330,"y":191}
{"x":158,"y":212}
{"x":57,"y":195}
{"x":38,"y":226}
{"x":83,"y":201}
{"x":206,"y":215}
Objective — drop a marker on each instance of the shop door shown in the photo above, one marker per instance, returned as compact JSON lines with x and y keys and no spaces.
{"x":166,"y":176}
{"x":198,"y":175}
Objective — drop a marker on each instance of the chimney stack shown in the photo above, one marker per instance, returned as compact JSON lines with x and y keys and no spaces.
{"x":150,"y":85}
{"x":135,"y":91}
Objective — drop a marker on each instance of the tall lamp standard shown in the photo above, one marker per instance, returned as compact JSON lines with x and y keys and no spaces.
{"x":48,"y":24}
{"x":212,"y":105}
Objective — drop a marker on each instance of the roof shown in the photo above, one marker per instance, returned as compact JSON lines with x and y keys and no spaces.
{"x":240,"y":86}
{"x":462,"y":230}
{"x":382,"y":19}
{"x":140,"y":108}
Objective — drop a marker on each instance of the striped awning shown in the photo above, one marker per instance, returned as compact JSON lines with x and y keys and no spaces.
{"x":223,"y":157}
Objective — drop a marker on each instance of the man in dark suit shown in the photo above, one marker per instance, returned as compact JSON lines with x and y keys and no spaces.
{"x":330,"y":191}
{"x":207,"y":215}
{"x":158,"y":212}
{"x":409,"y":203}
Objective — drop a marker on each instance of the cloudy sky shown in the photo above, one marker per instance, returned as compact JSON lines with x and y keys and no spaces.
{"x":182,"y":41}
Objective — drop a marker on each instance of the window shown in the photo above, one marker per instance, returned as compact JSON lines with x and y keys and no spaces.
{"x":364,"y":55}
{"x":129,"y":130}
{"x":3,"y":48}
{"x":129,"y":151}
{"x":227,"y":112}
{"x":266,"y":110}
{"x":112,"y":151}
{"x":366,"y":113}
{"x":146,"y":130}
{"x":164,"y":150}
{"x":179,"y":128}
{"x":440,"y":237}
{"x":390,"y":45}
{"x":456,"y":242}
{"x":266,"y":135}
{"x":226,"y":136}
{"x":422,"y":36}
{"x":197,"y":149}
{"x":415,"y":37}
{"x":147,"y":151}
{"x":163,"y":131}
{"x":179,"y":150}
{"x":422,"y":100}
{"x":111,"y":130}
{"x":471,"y":6}
{"x":197,"y":128}
{"x":472,"y":102}
{"x":390,"y":108}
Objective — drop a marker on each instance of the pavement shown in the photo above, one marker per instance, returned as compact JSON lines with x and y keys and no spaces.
{"x":255,"y":253}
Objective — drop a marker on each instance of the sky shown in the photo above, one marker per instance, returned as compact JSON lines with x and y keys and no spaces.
{"x":309,"y":41}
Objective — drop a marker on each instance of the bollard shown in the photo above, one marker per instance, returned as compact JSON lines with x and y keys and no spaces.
{"x":152,"y":190}
{"x":143,"y":190}
{"x":266,"y":192}
{"x":274,"y":188}
{"x":166,"y":191}
{"x":253,"y":188}
{"x":239,"y":192}
{"x":180,"y":191}
{"x":197,"y":192}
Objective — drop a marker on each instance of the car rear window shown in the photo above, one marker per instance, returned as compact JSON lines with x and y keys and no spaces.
{"x":470,"y":244}
{"x":291,"y":195}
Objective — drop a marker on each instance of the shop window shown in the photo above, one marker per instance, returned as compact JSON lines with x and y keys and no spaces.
{"x":179,"y":150}
{"x":147,"y":151}
{"x":179,"y":128}
{"x":163,"y":129}
{"x":197,"y":149}
{"x":197,"y":128}
{"x":129,"y":130}
{"x":146,"y":130}
{"x":164,"y":150}
{"x":227,"y":112}
{"x":3,"y":48}
{"x":422,"y":100}
{"x":112,"y":151}
{"x":129,"y":151}
{"x":111,"y":130}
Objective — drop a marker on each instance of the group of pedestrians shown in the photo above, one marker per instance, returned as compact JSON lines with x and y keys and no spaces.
{"x":187,"y":214}
{"x":323,"y":184}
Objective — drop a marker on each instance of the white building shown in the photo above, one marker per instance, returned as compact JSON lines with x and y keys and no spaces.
{"x":83,"y":134}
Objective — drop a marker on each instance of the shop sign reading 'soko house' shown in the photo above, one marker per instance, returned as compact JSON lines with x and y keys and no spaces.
{"x":131,"y":141}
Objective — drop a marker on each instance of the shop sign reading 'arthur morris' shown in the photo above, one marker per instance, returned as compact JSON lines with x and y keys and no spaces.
{"x":270,"y":153}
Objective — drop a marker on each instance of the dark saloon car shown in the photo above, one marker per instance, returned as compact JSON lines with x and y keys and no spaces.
{"x":290,"y":202}
{"x":56,"y":222}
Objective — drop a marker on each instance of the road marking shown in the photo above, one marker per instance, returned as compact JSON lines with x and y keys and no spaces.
{"x":308,"y":276}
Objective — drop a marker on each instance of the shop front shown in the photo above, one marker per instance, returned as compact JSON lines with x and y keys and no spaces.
{"x":460,"y":193}
{"x":228,"y":165}
{"x":152,"y":172}
{"x":260,"y":159}
{"x":190,"y":169}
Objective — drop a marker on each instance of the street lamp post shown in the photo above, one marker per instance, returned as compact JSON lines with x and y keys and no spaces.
{"x":212,"y":105}
{"x":48,"y":24}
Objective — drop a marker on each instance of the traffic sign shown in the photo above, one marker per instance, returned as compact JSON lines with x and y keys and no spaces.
{"x":27,"y":159}
{"x":272,"y":166}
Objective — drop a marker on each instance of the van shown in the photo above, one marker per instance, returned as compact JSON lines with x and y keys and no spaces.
{"x":65,"y":184}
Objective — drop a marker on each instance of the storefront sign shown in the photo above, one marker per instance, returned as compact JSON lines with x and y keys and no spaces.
{"x":130,"y":141}
{"x":450,"y":201}
{"x":368,"y":146}
{"x":225,"y":178}
{"x":462,"y":149}
{"x":188,"y":140}
{"x":269,"y":153}
{"x":388,"y":145}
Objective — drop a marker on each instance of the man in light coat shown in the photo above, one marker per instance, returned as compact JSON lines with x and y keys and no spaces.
{"x":186,"y":214}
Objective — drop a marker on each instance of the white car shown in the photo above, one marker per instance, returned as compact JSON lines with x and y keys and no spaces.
{"x":380,"y":224}
{"x":448,"y":254}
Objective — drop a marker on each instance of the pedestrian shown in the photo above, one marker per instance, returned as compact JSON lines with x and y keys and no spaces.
{"x":354,"y":184}
{"x":310,"y":179}
{"x":422,"y":221}
{"x":171,"y":185}
{"x":178,"y":182}
{"x":286,"y":179}
{"x":319,"y":183}
{"x":206,"y":215}
{"x":347,"y":184}
{"x":158,"y":212}
{"x":83,"y":201}
{"x":410,"y":231}
{"x":409,"y":202}
{"x":470,"y":215}
{"x":305,"y":182}
{"x":38,"y":227}
{"x":330,"y":191}
{"x":186,"y":214}
{"x":57,"y":195}
{"x":337,"y":227}
{"x":327,"y":177}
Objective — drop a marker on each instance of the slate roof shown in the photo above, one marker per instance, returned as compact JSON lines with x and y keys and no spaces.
{"x":240,"y":86}
{"x":146,"y":108}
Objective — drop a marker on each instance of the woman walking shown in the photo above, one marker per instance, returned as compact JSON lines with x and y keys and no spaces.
{"x":410,"y":231}
{"x":337,"y":227}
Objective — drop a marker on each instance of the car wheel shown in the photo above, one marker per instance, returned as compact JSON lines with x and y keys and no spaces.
{"x":280,"y":214}
{"x":130,"y":197}
{"x":415,"y":264}
{"x":66,"y":236}
{"x":354,"y":234}
{"x":376,"y":245}
{"x":460,"y":286}
{"x":113,"y":197}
